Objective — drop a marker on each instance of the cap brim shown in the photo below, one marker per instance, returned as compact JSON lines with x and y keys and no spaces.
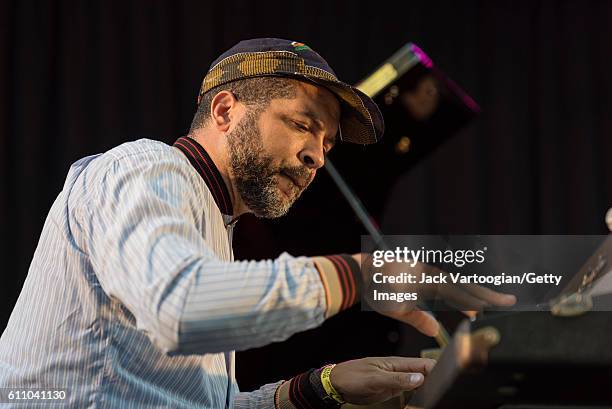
{"x":361,"y":120}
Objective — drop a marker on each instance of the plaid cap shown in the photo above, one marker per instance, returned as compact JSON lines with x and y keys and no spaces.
{"x":360,"y":121}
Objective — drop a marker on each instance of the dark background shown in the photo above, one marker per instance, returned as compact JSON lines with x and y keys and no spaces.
{"x":79,"y":77}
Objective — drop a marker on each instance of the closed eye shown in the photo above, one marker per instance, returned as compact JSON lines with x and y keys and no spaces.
{"x":301,"y":127}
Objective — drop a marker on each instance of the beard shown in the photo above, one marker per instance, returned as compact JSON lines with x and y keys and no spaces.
{"x":255,"y":175}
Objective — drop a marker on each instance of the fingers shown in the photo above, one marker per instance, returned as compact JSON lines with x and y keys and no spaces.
{"x":490,"y":296}
{"x":404,"y":364}
{"x":396,"y":382}
{"x":406,"y":381}
{"x":422,"y":321}
{"x":474,"y":297}
{"x":403,"y":374}
{"x":459,"y":299}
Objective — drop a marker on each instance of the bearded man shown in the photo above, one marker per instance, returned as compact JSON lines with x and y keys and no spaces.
{"x":133,"y":299}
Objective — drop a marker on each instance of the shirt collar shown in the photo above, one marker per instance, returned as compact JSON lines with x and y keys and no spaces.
{"x":203,"y":164}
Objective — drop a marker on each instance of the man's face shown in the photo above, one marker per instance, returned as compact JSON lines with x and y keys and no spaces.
{"x":274,"y":155}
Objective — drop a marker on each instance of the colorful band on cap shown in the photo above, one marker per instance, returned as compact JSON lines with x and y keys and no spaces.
{"x":359,"y":123}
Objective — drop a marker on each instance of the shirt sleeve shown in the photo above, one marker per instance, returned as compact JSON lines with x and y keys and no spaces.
{"x":147,"y":248}
{"x":262,"y":398}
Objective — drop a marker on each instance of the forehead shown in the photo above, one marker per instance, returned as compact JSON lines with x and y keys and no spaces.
{"x":314,"y":99}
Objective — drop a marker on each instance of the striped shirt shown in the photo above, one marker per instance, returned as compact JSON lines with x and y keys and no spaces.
{"x":133,"y":299}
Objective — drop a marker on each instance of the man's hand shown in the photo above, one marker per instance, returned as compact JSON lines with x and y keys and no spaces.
{"x":463,"y":297}
{"x":372,"y":380}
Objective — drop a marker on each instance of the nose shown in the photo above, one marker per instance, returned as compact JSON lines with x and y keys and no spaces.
{"x":312,"y":156}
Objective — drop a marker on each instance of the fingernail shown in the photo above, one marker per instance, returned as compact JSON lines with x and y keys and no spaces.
{"x":415,"y":378}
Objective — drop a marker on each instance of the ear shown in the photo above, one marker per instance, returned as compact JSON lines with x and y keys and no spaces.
{"x":222,"y":109}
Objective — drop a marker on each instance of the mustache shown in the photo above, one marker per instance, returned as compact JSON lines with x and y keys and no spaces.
{"x":301,"y":176}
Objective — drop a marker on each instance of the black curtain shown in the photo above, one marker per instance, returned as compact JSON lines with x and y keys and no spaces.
{"x":78,"y":77}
